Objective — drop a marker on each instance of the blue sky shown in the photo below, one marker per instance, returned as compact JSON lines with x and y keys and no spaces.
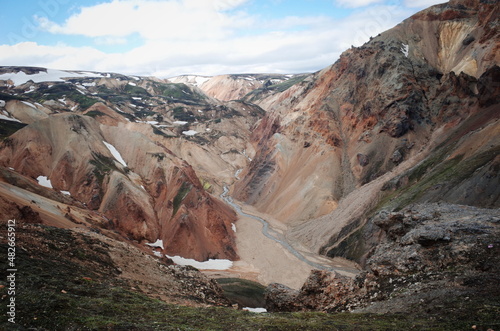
{"x":206,"y":37}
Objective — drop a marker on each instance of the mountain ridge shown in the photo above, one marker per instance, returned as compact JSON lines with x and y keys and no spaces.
{"x":389,"y":158}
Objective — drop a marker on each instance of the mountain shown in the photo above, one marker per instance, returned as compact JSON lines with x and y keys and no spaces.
{"x":235,"y":87}
{"x":118,"y":146}
{"x":372,"y":185}
{"x":409,"y":117}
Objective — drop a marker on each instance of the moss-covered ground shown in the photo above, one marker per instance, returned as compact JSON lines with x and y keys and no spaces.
{"x":61,"y":287}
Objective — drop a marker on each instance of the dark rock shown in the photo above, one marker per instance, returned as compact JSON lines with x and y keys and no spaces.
{"x":279,"y":297}
{"x":469,"y":39}
{"x":397,"y":156}
{"x":363,"y":159}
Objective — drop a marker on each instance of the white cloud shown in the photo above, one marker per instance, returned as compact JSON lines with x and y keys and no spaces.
{"x":187,"y":19}
{"x":58,"y":57}
{"x":422,"y":3}
{"x":356,"y":3}
{"x":110,"y":40}
{"x":205,"y":42}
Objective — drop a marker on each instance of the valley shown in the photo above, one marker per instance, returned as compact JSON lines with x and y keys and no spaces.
{"x":335,"y":199}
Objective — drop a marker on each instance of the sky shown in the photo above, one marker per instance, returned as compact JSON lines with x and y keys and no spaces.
{"x":166,"y":38}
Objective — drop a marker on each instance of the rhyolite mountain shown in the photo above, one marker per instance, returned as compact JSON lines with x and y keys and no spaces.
{"x":389,"y":157}
{"x":409,"y":117}
{"x":75,"y":127}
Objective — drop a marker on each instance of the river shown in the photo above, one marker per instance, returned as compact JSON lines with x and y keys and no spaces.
{"x":275,"y":236}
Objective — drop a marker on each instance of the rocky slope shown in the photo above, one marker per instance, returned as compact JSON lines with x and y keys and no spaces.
{"x":433,"y":260}
{"x":398,"y":120}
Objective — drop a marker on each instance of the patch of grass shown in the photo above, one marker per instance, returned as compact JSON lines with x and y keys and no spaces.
{"x":181,"y":194}
{"x":95,"y":113}
{"x":178,"y":91}
{"x":243,"y":292}
{"x":6,"y":97}
{"x":57,"y":291}
{"x":103,"y":166}
{"x":8,"y":128}
{"x":60,"y":91}
{"x":281,"y":87}
{"x":135,"y":91}
{"x":206,"y":184}
{"x":160,"y":132}
{"x":435,"y":172}
{"x":276,"y":88}
{"x":181,"y":114}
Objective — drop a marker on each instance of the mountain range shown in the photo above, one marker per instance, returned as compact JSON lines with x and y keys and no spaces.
{"x":382,"y":169}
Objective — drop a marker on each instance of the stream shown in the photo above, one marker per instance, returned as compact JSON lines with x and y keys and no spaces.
{"x":272,"y":234}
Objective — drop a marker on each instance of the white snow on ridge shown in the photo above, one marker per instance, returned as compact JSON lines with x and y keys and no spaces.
{"x":51,"y":75}
{"x":206,"y":265}
{"x":157,"y":243}
{"x":180,"y":122}
{"x":66,"y":192}
{"x":255,"y":310}
{"x":3,"y":117}
{"x":189,"y":132}
{"x":115,"y":153}
{"x":44,"y":181}
{"x":405,"y":49}
{"x":29,"y":104}
{"x":200,"y":80}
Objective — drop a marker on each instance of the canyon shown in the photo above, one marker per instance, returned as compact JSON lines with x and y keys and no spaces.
{"x":371,"y":186}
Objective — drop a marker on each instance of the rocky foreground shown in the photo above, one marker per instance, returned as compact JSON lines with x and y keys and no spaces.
{"x":79,"y":279}
{"x":433,"y":260}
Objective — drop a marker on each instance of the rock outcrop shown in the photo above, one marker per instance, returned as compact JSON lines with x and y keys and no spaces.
{"x":433,"y":257}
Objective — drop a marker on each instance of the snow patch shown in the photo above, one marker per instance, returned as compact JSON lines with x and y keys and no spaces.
{"x":206,"y":265}
{"x":255,"y":310}
{"x":115,"y":153}
{"x":180,"y":122}
{"x":405,"y":49}
{"x":233,"y":226}
{"x":3,"y":117}
{"x":133,"y":84}
{"x":157,"y":243}
{"x":89,"y":84}
{"x":66,"y":192}
{"x":51,"y":75}
{"x":29,"y":104}
{"x":44,"y":181}
{"x":189,"y":132}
